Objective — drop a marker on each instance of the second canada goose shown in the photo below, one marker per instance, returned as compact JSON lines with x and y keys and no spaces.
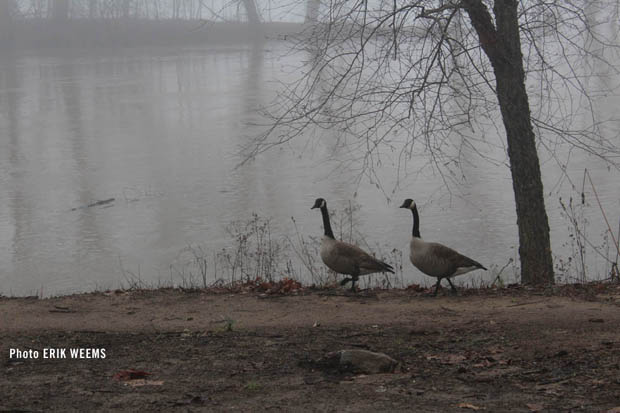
{"x":345,"y":258}
{"x":435,"y":259}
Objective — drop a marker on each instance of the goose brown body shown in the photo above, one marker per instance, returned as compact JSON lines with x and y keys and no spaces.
{"x":349,"y":259}
{"x":438,"y":260}
{"x":434,"y":259}
{"x":345,"y":258}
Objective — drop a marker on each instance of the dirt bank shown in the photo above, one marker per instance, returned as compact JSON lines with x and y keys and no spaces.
{"x":494,"y":351}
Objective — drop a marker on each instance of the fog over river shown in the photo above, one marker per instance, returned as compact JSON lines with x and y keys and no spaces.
{"x":159,"y":129}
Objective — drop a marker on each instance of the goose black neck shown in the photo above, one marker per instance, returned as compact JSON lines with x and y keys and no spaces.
{"x":416,"y":222}
{"x":326,"y":224}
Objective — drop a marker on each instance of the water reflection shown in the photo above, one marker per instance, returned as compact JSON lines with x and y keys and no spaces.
{"x":14,"y":210}
{"x":158,"y":130}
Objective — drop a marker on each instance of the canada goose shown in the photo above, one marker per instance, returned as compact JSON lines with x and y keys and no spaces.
{"x":345,"y":258}
{"x":435,"y":259}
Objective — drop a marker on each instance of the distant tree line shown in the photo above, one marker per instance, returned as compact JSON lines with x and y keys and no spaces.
{"x":213,"y":10}
{"x":75,"y":23}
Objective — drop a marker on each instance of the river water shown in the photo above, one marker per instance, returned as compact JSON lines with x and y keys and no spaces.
{"x":158,"y":130}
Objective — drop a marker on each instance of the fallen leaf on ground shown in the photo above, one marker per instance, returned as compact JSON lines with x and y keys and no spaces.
{"x":469,"y":406}
{"x":186,"y":333}
{"x":447,"y":358}
{"x":614,"y":410}
{"x":483,"y":363}
{"x":144,"y":382}
{"x":415,"y":287}
{"x":125,"y":375}
{"x":495,"y":350}
{"x":534,"y":407}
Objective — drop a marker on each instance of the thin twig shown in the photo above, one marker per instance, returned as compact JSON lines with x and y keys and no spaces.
{"x":604,"y":216}
{"x":510,"y":260}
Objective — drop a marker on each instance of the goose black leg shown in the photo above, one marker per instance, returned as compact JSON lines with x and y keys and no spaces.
{"x":437,"y":287}
{"x":353,"y":280}
{"x":452,"y":285}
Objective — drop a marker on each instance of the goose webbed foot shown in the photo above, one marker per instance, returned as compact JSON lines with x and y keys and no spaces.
{"x":353,"y":280}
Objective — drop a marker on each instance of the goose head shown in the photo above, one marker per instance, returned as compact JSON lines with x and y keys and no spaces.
{"x":408,"y":203}
{"x":319,"y":203}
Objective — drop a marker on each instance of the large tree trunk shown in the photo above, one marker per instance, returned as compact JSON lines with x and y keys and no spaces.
{"x":502,"y":45}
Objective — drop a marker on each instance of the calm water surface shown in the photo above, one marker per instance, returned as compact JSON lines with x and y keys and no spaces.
{"x":158,"y":130}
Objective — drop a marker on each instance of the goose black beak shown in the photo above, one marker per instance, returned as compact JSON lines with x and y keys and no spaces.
{"x":317,"y":203}
{"x":407,"y":203}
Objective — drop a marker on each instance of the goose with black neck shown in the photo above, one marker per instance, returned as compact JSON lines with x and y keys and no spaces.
{"x":345,"y":258}
{"x":434,"y":259}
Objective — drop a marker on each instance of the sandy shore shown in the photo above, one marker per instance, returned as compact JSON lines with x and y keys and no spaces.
{"x":498,"y":351}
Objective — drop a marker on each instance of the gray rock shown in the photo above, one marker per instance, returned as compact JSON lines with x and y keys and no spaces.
{"x":361,"y":361}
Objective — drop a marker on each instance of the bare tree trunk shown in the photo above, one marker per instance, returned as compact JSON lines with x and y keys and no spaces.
{"x":502,"y":45}
{"x":60,"y":9}
{"x":250,"y":8}
{"x":312,"y":11}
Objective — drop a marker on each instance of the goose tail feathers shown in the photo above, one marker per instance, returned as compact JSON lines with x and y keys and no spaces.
{"x":478,"y":265}
{"x":386,"y":267}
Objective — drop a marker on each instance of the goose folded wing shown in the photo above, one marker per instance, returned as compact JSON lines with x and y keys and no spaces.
{"x":363,"y":260}
{"x":458,"y":260}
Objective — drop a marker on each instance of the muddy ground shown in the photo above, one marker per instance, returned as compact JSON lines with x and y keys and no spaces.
{"x":492,"y":350}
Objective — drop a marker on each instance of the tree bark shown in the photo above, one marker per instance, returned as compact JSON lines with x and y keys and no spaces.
{"x":250,"y":8}
{"x":502,"y":45}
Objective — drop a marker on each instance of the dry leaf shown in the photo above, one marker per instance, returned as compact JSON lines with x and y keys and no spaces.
{"x":614,"y":410}
{"x":469,"y":406}
{"x":447,"y":358}
{"x":495,"y":350}
{"x":125,"y":375}
{"x":455,"y":358}
{"x":534,"y":407}
{"x":415,"y":287}
{"x":186,"y":333}
{"x":144,"y":382}
{"x":484,"y":363}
